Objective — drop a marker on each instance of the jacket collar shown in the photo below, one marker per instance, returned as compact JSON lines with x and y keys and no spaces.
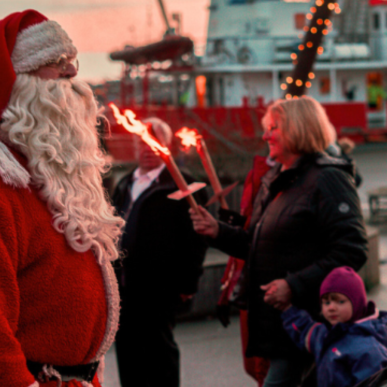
{"x":151,"y":175}
{"x":163,"y":180}
{"x":320,"y":159}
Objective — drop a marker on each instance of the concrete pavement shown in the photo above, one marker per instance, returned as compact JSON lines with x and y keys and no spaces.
{"x":210,"y":356}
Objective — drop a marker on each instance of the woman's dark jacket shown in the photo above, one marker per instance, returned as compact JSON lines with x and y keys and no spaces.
{"x":163,"y":254}
{"x":306,"y":221}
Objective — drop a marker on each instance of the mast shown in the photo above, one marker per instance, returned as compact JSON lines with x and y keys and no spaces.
{"x":302,"y":75}
{"x":169,"y":29}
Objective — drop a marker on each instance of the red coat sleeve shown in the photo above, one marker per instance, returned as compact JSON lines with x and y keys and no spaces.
{"x":13,"y":369}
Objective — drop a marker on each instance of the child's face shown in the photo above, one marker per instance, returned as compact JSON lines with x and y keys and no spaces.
{"x":336,"y":308}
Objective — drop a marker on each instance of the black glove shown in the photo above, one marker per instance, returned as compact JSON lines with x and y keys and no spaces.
{"x":223,"y":314}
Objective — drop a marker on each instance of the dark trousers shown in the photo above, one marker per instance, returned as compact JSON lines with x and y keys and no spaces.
{"x":147,"y":353}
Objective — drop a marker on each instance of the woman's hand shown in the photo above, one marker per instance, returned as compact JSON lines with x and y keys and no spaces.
{"x":204,"y":223}
{"x":278,"y":294}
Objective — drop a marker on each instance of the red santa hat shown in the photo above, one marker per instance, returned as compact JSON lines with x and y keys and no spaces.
{"x":28,"y":40}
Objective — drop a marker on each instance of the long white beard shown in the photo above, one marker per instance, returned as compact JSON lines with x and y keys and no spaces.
{"x":53,"y":122}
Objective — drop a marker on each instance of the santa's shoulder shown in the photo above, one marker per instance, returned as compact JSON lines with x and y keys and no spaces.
{"x":12,"y":171}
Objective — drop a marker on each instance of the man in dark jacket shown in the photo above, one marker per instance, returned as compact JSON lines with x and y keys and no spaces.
{"x":162,"y":265}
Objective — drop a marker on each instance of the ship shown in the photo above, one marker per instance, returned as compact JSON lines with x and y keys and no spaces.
{"x":248,"y":63}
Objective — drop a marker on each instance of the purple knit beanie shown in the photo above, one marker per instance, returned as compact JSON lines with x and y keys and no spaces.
{"x":346,"y":281}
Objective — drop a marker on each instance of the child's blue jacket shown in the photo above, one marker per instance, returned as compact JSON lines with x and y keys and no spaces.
{"x":346,"y":353}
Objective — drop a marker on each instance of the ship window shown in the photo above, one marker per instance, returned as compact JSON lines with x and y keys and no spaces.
{"x":376,"y":21}
{"x":299,"y":21}
{"x":325,"y":85}
{"x":232,"y":2}
{"x":238,"y":2}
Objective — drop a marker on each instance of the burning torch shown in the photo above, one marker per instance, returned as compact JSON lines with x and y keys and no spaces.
{"x":128,"y":121}
{"x":191,"y":137}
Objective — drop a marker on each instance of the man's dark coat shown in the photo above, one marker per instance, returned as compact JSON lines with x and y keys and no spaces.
{"x":163,"y":259}
{"x":163,"y":254}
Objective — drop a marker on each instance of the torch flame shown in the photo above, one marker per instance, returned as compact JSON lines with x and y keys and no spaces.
{"x":188,"y":137}
{"x":132,"y":125}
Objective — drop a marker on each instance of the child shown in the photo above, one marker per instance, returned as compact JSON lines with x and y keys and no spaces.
{"x":351,"y":346}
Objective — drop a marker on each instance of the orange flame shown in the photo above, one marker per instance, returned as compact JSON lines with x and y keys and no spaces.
{"x":132,"y":125}
{"x":188,"y":137}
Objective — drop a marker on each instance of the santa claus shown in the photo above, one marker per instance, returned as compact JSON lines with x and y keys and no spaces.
{"x":59,"y":302}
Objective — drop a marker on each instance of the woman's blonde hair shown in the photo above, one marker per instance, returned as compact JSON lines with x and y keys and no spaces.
{"x":305,"y":125}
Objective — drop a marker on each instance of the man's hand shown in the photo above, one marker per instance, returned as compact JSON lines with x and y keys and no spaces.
{"x":204,"y":223}
{"x":277,"y":293}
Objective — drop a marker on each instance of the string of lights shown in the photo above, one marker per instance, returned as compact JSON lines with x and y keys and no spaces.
{"x":311,"y":46}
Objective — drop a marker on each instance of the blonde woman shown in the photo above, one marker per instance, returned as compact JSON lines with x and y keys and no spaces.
{"x":306,"y":221}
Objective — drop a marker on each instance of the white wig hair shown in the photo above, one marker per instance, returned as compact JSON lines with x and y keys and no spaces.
{"x":53,"y":122}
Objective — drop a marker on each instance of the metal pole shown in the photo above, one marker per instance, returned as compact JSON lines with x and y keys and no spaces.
{"x":164,"y":15}
{"x":333,"y":80}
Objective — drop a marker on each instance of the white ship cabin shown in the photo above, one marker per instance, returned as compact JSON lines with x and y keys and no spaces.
{"x":250,"y":42}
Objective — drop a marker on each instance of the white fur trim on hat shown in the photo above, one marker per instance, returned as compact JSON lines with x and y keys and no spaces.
{"x":39,"y":44}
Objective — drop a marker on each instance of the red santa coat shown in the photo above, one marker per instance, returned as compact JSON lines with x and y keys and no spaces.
{"x":57,"y":306}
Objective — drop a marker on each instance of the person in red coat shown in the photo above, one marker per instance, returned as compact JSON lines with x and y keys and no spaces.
{"x":59,"y":301}
{"x":232,"y":291}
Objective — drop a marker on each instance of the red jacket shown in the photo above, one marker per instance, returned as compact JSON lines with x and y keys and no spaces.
{"x":57,"y":306}
{"x":256,"y":367}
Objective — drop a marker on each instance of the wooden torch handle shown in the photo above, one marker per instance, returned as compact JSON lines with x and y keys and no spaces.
{"x":210,"y":170}
{"x":179,"y":179}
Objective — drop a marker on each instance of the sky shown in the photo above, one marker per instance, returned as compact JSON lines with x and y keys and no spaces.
{"x":98,"y":27}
